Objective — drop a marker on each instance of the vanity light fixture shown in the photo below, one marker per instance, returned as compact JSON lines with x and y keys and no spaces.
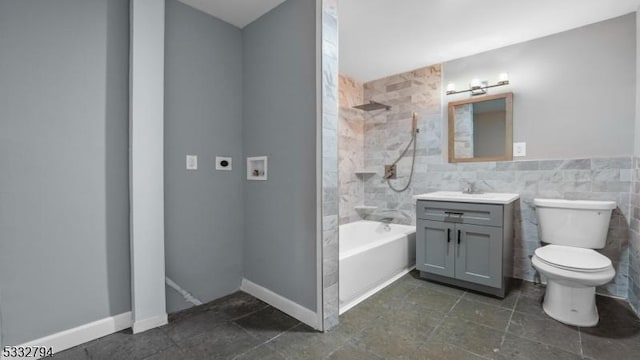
{"x":478,"y":87}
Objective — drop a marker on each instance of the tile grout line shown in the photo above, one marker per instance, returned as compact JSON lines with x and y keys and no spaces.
{"x":580,"y":340}
{"x":402,"y":300}
{"x":249,"y":313}
{"x":348,"y":342}
{"x":338,"y":348}
{"x":513,"y":310}
{"x":205,"y":308}
{"x":233,"y":320}
{"x":264,"y":342}
{"x":415,"y":288}
{"x":467,"y":351}
{"x":230,"y":321}
{"x":176,"y":344}
{"x":444,"y":318}
{"x":277,"y":351}
{"x":540,"y":342}
{"x":545,"y":318}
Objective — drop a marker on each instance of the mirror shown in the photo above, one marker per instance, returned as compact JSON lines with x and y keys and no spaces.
{"x":481,"y":129}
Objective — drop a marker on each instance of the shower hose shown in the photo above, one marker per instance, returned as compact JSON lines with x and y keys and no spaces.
{"x":414,"y":141}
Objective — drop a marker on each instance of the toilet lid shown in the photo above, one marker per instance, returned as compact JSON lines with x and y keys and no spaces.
{"x":572,"y":258}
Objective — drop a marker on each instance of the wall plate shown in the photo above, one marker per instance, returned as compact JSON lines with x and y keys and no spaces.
{"x":223,"y":163}
{"x":192,"y":162}
{"x":520,"y":149}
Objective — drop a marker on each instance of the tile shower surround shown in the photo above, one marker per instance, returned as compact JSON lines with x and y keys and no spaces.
{"x":387,"y":132}
{"x":350,"y":154}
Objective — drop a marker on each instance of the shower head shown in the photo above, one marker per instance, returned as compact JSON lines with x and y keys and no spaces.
{"x":372,"y":105}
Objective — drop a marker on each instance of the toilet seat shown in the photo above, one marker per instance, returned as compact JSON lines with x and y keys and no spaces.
{"x":573,"y":258}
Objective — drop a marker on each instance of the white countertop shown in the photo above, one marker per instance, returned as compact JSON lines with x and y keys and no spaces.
{"x":458,"y":196}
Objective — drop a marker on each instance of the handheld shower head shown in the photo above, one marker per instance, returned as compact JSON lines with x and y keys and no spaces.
{"x":390,"y":170}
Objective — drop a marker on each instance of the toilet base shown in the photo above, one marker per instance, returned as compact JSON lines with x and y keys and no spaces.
{"x":571,"y":305}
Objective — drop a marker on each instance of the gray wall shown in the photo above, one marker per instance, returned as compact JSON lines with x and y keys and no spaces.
{"x":574,"y":91}
{"x":203,"y":104}
{"x":279,"y":121}
{"x":64,"y":211}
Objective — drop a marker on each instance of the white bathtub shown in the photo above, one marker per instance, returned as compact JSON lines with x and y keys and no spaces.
{"x":373,"y":255}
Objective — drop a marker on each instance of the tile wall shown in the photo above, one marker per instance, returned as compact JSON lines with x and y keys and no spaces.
{"x":387,"y":134}
{"x":329,"y":163}
{"x":350,"y":154}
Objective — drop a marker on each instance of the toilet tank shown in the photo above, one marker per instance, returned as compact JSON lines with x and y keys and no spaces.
{"x":577,"y":223}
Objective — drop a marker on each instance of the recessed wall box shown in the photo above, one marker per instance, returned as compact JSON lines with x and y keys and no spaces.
{"x":257,"y":168}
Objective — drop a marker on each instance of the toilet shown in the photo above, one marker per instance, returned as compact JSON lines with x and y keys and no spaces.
{"x":572,"y":229}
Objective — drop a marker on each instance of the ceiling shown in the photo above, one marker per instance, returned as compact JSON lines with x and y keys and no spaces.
{"x":383,"y":37}
{"x":236,"y":12}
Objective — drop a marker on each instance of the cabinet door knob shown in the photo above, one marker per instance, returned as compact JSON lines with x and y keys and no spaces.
{"x":448,"y":235}
{"x":458,"y":236}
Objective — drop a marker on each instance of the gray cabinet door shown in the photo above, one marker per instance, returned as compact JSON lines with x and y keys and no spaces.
{"x":434,"y":247}
{"x":478,"y":256}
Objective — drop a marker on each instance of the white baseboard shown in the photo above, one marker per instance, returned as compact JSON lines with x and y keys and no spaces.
{"x":150,"y":323}
{"x":281,"y":303}
{"x":79,"y":335}
{"x":346,"y":307}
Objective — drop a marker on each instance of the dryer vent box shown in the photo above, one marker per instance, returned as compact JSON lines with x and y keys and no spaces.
{"x":223,"y":163}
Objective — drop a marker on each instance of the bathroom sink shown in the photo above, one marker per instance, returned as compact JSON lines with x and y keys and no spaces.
{"x":485,"y":198}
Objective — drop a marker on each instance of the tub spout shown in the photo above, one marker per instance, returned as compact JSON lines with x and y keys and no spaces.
{"x":386,"y":221}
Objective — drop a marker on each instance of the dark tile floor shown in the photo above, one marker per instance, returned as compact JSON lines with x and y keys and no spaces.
{"x":410,"y":319}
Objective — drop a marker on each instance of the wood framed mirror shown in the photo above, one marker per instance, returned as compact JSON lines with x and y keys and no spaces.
{"x":481,"y":129}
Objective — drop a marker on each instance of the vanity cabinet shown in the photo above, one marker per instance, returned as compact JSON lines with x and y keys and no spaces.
{"x":465,"y":244}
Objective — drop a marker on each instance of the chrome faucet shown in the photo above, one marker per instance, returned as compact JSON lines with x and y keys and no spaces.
{"x":386,"y":221}
{"x":470,"y":188}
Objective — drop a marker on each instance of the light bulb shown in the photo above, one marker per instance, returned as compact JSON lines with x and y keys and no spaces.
{"x":503,"y":78}
{"x":451,"y":87}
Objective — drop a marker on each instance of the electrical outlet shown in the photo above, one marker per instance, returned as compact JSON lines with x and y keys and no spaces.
{"x":192,"y":162}
{"x":223,"y":163}
{"x":520,"y":149}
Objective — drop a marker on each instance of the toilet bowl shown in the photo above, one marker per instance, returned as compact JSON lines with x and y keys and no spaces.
{"x":571,"y":266}
{"x":571,"y":282}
